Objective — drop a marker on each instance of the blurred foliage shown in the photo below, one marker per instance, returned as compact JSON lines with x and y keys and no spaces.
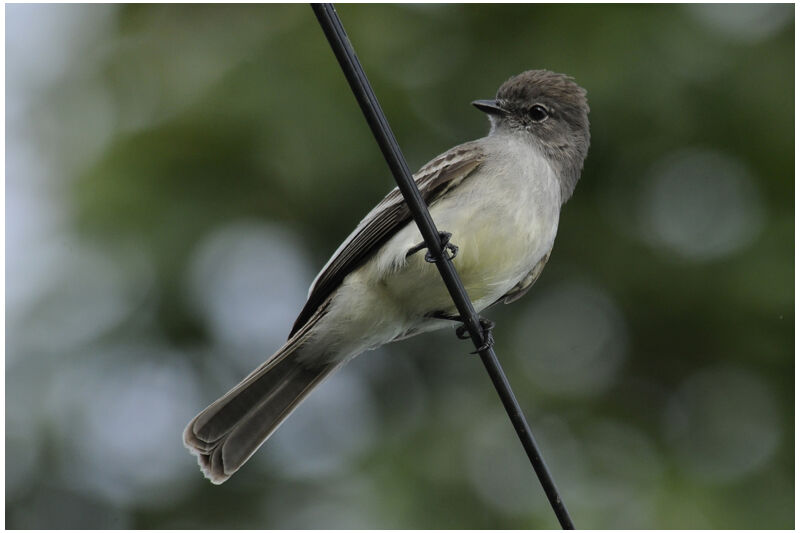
{"x":172,"y":169}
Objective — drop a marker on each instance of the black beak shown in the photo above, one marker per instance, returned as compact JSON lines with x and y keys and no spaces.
{"x":492,"y":107}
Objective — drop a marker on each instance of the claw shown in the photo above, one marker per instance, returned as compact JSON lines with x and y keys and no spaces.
{"x":486,"y":345}
{"x":463,"y":333}
{"x":450,"y":250}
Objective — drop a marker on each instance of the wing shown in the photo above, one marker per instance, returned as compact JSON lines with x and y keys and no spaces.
{"x":519,"y":290}
{"x":386,"y":219}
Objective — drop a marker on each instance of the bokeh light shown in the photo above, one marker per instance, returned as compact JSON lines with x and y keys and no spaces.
{"x":745,"y":22}
{"x":574,"y":340}
{"x":701,"y":205}
{"x":122,"y":408}
{"x":249,"y":280}
{"x":723,"y":423}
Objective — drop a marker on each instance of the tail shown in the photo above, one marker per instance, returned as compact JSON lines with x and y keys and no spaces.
{"x":230,"y":430}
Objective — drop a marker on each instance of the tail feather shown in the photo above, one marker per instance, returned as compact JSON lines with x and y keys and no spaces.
{"x":230,"y":430}
{"x":262,"y":421}
{"x":225,"y":434}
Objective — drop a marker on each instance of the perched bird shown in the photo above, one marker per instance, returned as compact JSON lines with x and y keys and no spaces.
{"x":498,"y":197}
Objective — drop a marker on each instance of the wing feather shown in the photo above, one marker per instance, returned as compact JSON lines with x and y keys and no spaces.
{"x":387,"y":218}
{"x":520,"y":289}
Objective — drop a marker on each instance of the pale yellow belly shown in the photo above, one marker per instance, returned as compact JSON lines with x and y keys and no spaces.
{"x":495,"y":250}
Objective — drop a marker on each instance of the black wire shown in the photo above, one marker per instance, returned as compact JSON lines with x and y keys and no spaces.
{"x":334,"y":31}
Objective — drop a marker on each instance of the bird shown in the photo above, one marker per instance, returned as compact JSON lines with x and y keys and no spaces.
{"x":498,"y":197}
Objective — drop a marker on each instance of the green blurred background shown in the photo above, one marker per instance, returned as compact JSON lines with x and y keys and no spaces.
{"x":176,"y":175}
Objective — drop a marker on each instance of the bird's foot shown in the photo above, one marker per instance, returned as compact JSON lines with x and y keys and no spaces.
{"x":450,"y":250}
{"x":487,"y":325}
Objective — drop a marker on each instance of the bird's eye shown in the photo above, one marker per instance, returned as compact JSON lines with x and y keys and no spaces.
{"x":538,"y":113}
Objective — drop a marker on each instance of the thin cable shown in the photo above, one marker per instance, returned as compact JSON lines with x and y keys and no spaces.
{"x":334,"y":31}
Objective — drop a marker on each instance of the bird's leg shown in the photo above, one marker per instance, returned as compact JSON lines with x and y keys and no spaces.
{"x":463,"y":333}
{"x":444,"y":238}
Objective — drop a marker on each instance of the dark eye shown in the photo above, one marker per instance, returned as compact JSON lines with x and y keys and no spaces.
{"x":538,"y":113}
